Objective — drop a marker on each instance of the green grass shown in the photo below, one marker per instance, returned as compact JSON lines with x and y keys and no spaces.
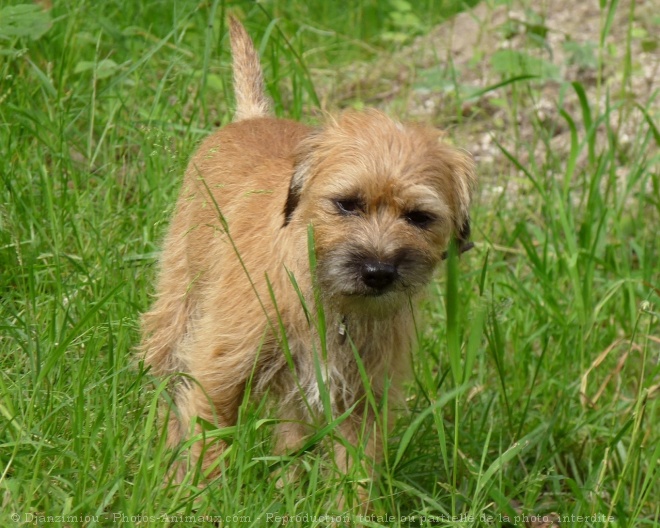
{"x":537,"y":379}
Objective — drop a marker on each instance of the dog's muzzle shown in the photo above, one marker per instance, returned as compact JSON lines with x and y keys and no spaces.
{"x":378,"y":276}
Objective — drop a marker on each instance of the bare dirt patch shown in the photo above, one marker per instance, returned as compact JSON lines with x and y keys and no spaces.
{"x":444,"y":77}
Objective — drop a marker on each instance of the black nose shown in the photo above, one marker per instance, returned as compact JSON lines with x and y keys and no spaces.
{"x":378,"y":275}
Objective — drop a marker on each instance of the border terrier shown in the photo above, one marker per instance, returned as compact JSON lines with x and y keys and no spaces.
{"x":244,"y":303}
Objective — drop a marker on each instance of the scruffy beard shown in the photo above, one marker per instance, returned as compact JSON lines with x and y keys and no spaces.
{"x":342,"y":284}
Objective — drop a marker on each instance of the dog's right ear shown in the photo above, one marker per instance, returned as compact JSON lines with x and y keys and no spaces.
{"x":302,"y":167}
{"x":295,"y":189}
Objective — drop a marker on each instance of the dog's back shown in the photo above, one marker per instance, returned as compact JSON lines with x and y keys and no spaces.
{"x":251,"y":100}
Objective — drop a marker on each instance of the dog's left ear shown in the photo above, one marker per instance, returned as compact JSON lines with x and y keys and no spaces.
{"x":458,"y":179}
{"x":460,"y":166}
{"x":462,"y":237}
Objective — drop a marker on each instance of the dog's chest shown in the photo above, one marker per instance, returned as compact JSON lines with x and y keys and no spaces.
{"x":350,"y":365}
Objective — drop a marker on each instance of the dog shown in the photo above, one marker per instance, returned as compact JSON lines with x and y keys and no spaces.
{"x":293,"y":266}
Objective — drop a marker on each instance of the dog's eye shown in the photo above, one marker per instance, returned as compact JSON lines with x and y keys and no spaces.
{"x":349,"y":206}
{"x":419,"y":218}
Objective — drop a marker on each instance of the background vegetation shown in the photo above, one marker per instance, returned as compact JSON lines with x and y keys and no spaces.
{"x":538,"y":396}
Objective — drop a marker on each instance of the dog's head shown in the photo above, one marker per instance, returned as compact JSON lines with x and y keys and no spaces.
{"x":385,"y":200}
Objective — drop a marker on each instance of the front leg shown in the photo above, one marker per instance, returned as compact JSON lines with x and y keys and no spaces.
{"x":290,"y":433}
{"x":192,"y":402}
{"x":363,"y":433}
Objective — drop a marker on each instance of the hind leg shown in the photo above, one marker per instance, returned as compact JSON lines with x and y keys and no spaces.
{"x":166,"y":324}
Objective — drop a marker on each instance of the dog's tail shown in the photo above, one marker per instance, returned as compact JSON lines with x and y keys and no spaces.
{"x":251,"y":100}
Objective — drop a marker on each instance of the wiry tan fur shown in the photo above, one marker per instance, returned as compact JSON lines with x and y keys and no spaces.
{"x":241,"y":222}
{"x":251,"y":101}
